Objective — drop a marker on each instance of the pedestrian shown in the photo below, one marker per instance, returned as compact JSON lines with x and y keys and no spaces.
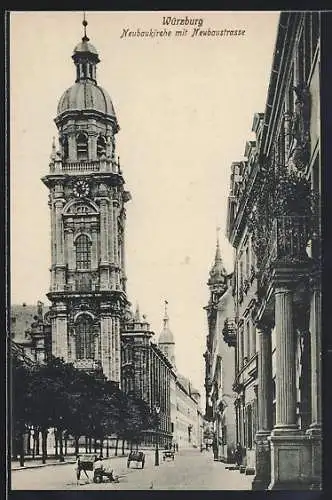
{"x":215,"y":449}
{"x":177,"y":447}
{"x":238,"y":454}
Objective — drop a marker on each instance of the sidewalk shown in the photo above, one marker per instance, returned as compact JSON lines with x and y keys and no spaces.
{"x":29,"y":463}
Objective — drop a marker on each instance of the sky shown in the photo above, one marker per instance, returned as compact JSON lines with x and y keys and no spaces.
{"x":185,"y":106}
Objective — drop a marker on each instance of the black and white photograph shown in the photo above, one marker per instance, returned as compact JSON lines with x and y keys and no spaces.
{"x":164,"y":324}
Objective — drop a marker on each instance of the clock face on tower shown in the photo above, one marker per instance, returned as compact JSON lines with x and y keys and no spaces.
{"x":81,"y":188}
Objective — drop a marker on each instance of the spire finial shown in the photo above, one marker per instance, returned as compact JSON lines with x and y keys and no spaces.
{"x":218,"y":256}
{"x":85,"y":23}
{"x":166,"y":318}
{"x":137,"y":313}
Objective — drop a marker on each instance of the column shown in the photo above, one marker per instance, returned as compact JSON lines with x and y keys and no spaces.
{"x":104,"y":234}
{"x":315,"y":429}
{"x":290,"y":452}
{"x":285,"y":360}
{"x":60,"y":332}
{"x":263,"y":466}
{"x":94,"y":246}
{"x":69,"y":234}
{"x":59,"y":238}
{"x":105,"y":347}
{"x":117,"y":350}
{"x":72,"y":149}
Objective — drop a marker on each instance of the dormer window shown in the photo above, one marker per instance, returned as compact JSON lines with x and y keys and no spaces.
{"x":82,"y":146}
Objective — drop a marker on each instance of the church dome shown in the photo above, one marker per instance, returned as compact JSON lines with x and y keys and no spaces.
{"x":86,"y":95}
{"x":84,"y":46}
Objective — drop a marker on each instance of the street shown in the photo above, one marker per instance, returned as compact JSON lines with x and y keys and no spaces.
{"x":191,"y":470}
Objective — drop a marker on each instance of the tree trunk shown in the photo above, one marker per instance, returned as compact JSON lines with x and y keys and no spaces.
{"x":136,"y":446}
{"x":21,"y":451}
{"x":29,"y":442}
{"x":15,"y":446}
{"x":66,"y":444}
{"x":116,"y":446}
{"x":37,"y":442}
{"x":44,"y":433}
{"x":77,"y":450}
{"x":123,"y":446}
{"x":61,"y":458}
{"x":90,"y":444}
{"x":102,"y":446}
{"x":131,"y":446}
{"x":56,"y":443}
{"x":86,"y":444}
{"x":95,"y":444}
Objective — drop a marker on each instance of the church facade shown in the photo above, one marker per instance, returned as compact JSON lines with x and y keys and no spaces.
{"x":87,"y":210}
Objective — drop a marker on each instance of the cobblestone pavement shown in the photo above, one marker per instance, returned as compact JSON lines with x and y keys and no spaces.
{"x":191,"y":470}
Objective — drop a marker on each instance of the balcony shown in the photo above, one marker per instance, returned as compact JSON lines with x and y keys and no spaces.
{"x":87,"y":364}
{"x":72,"y":167}
{"x":229,"y":332}
{"x":287,"y":244}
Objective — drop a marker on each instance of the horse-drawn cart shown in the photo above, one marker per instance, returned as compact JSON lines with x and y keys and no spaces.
{"x":169,"y":454}
{"x":84,"y":463}
{"x":136,"y":456}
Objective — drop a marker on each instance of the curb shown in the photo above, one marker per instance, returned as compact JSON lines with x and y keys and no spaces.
{"x":36,"y":466}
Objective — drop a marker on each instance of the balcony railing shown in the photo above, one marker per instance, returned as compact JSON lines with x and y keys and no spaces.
{"x":85,"y":166}
{"x":287,"y":244}
{"x":87,"y":364}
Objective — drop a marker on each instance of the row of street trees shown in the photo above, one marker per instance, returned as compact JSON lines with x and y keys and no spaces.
{"x":73,"y":402}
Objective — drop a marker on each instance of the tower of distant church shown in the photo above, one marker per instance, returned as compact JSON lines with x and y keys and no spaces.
{"x":166,"y":341}
{"x":87,"y":207}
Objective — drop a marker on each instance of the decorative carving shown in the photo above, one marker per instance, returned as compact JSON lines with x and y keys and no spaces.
{"x":300,"y":127}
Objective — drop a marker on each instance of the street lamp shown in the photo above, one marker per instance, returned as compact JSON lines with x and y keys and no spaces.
{"x":157,"y":411}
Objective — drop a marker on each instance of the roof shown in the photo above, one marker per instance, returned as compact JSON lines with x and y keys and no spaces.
{"x":86,"y":95}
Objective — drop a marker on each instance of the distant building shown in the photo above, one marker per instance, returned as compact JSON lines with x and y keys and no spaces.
{"x":30,"y":330}
{"x":185,"y":399}
{"x":219,"y":362}
{"x":147,"y":373}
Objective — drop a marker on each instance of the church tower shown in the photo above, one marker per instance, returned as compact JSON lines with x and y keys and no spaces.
{"x":87,"y":205}
{"x":166,"y":341}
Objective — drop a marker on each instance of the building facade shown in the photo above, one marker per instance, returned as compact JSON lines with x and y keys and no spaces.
{"x":185,"y":399}
{"x":219,"y":362}
{"x":30,"y":330}
{"x":87,"y":210}
{"x":274,"y":226}
{"x":147,"y":373}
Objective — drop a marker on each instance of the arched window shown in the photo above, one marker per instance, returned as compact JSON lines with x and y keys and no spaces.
{"x":101,"y":146}
{"x":85,"y":347}
{"x":82,"y":146}
{"x":83,"y":252}
{"x":64,"y":142}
